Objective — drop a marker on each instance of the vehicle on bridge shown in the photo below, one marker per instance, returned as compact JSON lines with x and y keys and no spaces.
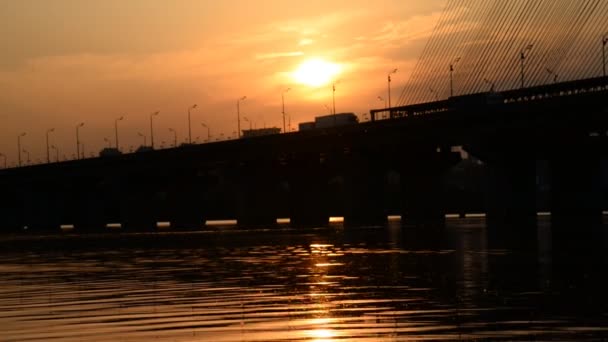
{"x":332,"y":120}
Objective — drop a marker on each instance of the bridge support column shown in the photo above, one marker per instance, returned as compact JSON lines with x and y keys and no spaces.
{"x":364,"y":193}
{"x":511,"y":193}
{"x":138,"y":210}
{"x":43,"y":210}
{"x":186,"y":202}
{"x":308,"y":188}
{"x":576,"y":191}
{"x":257,"y":195}
{"x":423,"y":188}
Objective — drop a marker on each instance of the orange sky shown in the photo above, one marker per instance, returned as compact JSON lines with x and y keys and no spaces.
{"x":70,"y":61}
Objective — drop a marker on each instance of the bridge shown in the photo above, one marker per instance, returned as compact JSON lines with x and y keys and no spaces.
{"x":538,"y":144}
{"x":363,"y":172}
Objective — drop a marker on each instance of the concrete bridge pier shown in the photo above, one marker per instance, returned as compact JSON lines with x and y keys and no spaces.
{"x":42,"y":208}
{"x":365,"y":179}
{"x":138,"y":208}
{"x":423,"y":187}
{"x":257,"y":194}
{"x":576,"y":190}
{"x":308,"y":186}
{"x":511,"y":193}
{"x":186,"y":203}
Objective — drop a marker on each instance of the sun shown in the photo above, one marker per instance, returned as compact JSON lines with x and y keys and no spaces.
{"x":316,"y":72}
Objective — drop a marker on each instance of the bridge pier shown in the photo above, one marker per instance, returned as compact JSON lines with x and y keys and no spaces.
{"x":256,"y":195}
{"x":364,"y":192}
{"x":423,"y":188}
{"x":511,"y":192}
{"x":138,"y":209}
{"x":308,"y":188}
{"x":576,"y":191}
{"x":42,"y":209}
{"x":186,"y":202}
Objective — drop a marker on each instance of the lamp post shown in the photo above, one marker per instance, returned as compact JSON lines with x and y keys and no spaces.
{"x":19,"y":147}
{"x":388,"y":78}
{"x":551,"y":72}
{"x":208,"y":130}
{"x":116,"y":130}
{"x":283,"y":103}
{"x":48,"y":158}
{"x":604,"y":42}
{"x":27,"y":153}
{"x":246,"y":119}
{"x":380,"y":98}
{"x":452,"y":75}
{"x":152,"y":127}
{"x":522,"y":57}
{"x":174,"y":137}
{"x":4,"y":157}
{"x":78,"y":140}
{"x":143,"y":136}
{"x":333,"y":97}
{"x":434,"y":93}
{"x":238,"y":114}
{"x":56,"y":153}
{"x":108,"y":141}
{"x":328,"y":109}
{"x":189,"y":124}
{"x":490,"y":83}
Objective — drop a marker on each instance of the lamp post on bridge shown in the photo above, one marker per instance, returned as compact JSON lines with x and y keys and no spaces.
{"x":78,"y":140}
{"x":152,"y":127}
{"x":116,"y":130}
{"x":27,"y":153}
{"x":174,"y":137}
{"x":435,"y":93}
{"x":283,"y":103}
{"x":190,"y":124}
{"x":522,"y":57}
{"x":48,"y":158}
{"x":238,"y":114}
{"x":4,"y":157}
{"x":604,"y":42}
{"x":19,"y":147}
{"x":492,"y":85}
{"x":208,"y":132}
{"x":452,"y":75}
{"x":388,"y":79}
{"x":143,"y":136}
{"x":107,"y":141}
{"x":551,"y":72}
{"x":56,"y":153}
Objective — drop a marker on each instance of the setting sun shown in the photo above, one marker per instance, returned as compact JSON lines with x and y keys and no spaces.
{"x":316,"y":72}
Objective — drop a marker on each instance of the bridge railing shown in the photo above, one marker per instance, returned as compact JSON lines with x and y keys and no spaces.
{"x":598,"y":84}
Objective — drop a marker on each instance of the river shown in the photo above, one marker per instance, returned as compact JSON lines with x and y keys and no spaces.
{"x":282,"y":284}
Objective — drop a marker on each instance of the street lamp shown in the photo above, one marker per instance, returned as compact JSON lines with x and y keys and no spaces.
{"x":246,"y":119}
{"x":333,"y":97}
{"x":551,"y":72}
{"x":328,"y":109}
{"x":48,"y":158}
{"x":152,"y":127}
{"x":78,"y":140}
{"x":283,"y":102}
{"x":4,"y":157}
{"x":174,"y":137}
{"x":56,"y":153}
{"x":435,"y":93}
{"x":492,"y":86}
{"x":604,"y":42}
{"x":522,"y":57}
{"x":380,"y":98}
{"x":19,"y":147}
{"x":452,"y":75}
{"x":143,"y":136}
{"x":108,"y":141}
{"x":116,"y":130}
{"x":238,"y":113}
{"x":189,"y":124}
{"x":27,"y":153}
{"x":388,"y":78}
{"x":208,"y":130}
